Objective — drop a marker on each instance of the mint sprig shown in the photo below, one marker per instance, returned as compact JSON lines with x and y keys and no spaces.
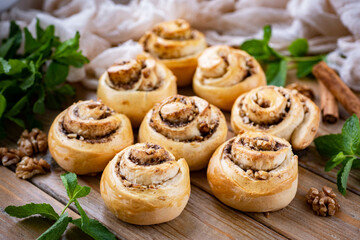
{"x":276,"y":64}
{"x":26,"y":88}
{"x":344,"y":150}
{"x":74,"y":191}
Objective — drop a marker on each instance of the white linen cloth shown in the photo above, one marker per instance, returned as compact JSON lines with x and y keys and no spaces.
{"x":106,"y":27}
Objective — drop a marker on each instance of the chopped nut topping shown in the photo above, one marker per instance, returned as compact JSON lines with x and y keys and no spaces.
{"x":29,"y":167}
{"x":33,"y":142}
{"x":323,"y":203}
{"x":258,"y":175}
{"x":303,"y":89}
{"x":10,"y":156}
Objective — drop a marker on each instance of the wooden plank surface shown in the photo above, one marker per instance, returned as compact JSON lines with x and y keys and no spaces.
{"x":203,"y":217}
{"x":19,"y":192}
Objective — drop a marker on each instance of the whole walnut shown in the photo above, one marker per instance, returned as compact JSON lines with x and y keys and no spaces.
{"x":323,"y":203}
{"x":29,"y":167}
{"x":10,"y":156}
{"x":33,"y":142}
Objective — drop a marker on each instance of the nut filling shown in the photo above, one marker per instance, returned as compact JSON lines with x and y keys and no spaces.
{"x":172,"y":40}
{"x":146,"y":166}
{"x":89,"y":121}
{"x":248,"y":113}
{"x":185,"y":119}
{"x":256,"y":154}
{"x":223,"y":67}
{"x":141,"y":74}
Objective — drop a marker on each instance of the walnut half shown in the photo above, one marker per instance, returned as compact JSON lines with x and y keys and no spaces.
{"x":32,"y":142}
{"x":323,"y":203}
{"x":10,"y":156}
{"x":29,"y":167}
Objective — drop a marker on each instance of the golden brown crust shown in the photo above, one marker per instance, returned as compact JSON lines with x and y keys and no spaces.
{"x":144,"y":184}
{"x":254,"y":172}
{"x":189,"y":127}
{"x":275,"y":110}
{"x":86,"y":136}
{"x":177,"y":46}
{"x":224,"y":73}
{"x":133,"y":87}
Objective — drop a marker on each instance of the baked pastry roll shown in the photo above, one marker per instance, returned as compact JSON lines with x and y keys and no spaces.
{"x":133,"y":87}
{"x":144,"y":184}
{"x":224,"y":73}
{"x":275,"y":110}
{"x":254,"y":172}
{"x":177,"y":45}
{"x":86,"y":136}
{"x":189,"y":127}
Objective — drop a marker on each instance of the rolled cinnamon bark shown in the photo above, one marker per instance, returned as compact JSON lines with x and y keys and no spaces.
{"x":337,"y":87}
{"x":328,"y":105}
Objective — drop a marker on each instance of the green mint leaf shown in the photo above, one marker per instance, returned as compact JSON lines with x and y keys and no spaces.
{"x":2,"y":104}
{"x":66,"y":89}
{"x":95,"y":229}
{"x":81,"y":191}
{"x":39,"y":105}
{"x":68,"y":46}
{"x":329,"y":145}
{"x":70,"y":182}
{"x":75,"y":59}
{"x":4,"y":66}
{"x":343,"y":175}
{"x":17,"y":121}
{"x":255,"y":47}
{"x":31,"y":44}
{"x":351,"y":135}
{"x":334,"y":161}
{"x":299,"y":47}
{"x":16,"y":109}
{"x":91,"y":226}
{"x":9,"y":48}
{"x":276,"y":73}
{"x":267,"y":34}
{"x":57,"y":229}
{"x":16,"y":66}
{"x":305,"y":68}
{"x":56,"y":74}
{"x":84,"y":217}
{"x":66,"y":53}
{"x":43,"y":209}
{"x":39,"y":30}
{"x":28,"y":82}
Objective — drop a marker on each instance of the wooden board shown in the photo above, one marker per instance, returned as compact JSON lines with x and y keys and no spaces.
{"x":204,"y":217}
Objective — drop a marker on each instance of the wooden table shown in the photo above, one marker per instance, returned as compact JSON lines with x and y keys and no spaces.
{"x":204,"y":216}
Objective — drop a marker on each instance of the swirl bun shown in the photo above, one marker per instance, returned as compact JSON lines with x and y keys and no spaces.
{"x":177,"y":46}
{"x":224,"y":73}
{"x":86,"y":136}
{"x":144,"y":184}
{"x":133,"y":87}
{"x":254,"y":172}
{"x":189,"y":127}
{"x":278,"y":111}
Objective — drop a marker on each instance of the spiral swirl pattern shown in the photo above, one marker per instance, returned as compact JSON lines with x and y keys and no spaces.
{"x":185,"y":125}
{"x":145,"y":184}
{"x":175,"y":39}
{"x":89,"y":120}
{"x":136,"y":84}
{"x":224,"y":73}
{"x":87,"y":135}
{"x":251,"y":171}
{"x":279,"y":111}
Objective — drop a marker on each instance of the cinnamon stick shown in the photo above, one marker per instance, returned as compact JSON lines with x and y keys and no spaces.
{"x":337,"y":87}
{"x":328,"y":105}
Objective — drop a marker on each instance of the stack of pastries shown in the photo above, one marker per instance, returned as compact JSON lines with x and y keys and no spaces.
{"x":149,"y":182}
